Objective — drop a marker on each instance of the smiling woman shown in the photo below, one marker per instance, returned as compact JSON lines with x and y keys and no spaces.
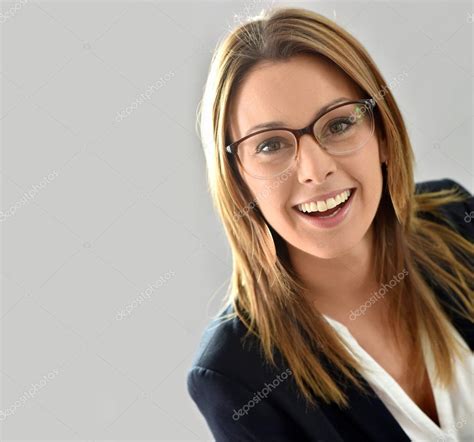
{"x":316,"y":290}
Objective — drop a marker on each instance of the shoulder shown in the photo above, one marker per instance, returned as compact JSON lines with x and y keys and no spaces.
{"x":223,"y":349}
{"x":436,"y":185}
{"x":459,"y":215}
{"x":236,"y":390}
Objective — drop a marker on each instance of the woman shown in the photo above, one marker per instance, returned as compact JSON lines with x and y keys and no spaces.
{"x":349,"y":315}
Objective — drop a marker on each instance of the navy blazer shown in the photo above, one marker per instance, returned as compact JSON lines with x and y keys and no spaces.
{"x":244,"y":399}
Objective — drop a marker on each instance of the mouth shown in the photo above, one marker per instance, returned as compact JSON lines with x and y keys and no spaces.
{"x":327,"y":213}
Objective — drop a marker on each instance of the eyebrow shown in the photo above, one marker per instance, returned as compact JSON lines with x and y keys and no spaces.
{"x":273,"y":124}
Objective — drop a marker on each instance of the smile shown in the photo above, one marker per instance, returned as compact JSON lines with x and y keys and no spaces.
{"x":327,"y":213}
{"x":325,"y":205}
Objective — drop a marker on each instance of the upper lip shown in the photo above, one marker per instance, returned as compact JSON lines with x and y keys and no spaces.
{"x":325,"y":196}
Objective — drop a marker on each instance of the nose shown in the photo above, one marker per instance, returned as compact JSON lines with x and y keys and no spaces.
{"x":314,"y":164}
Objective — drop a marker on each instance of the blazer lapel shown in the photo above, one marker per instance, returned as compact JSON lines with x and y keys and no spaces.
{"x":367,"y":411}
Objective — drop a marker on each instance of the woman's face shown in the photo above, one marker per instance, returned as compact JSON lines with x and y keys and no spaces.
{"x":292,"y":92}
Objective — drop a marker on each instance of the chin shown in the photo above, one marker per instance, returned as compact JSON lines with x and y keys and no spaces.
{"x":329,"y":252}
{"x":328,"y":249}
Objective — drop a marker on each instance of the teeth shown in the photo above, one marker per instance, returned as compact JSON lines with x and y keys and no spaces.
{"x":322,"y":206}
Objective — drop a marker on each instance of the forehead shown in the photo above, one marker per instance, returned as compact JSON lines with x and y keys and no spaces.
{"x":290,"y":91}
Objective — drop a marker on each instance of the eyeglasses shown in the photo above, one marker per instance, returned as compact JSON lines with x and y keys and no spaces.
{"x":339,"y":130}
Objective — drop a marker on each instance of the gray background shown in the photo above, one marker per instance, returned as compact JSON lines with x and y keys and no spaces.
{"x":127,"y":202}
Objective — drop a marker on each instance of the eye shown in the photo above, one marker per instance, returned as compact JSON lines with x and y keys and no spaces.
{"x":340,"y":126}
{"x":271,"y":145}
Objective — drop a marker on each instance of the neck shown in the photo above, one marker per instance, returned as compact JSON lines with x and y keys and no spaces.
{"x":339,"y":284}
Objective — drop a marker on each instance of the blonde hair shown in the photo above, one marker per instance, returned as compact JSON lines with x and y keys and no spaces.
{"x":265,"y":292}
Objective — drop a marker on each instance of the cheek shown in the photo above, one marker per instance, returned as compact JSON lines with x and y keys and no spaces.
{"x":271,"y":197}
{"x":366,"y":170}
{"x":365,"y":164}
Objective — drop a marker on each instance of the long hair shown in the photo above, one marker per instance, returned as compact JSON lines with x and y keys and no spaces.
{"x":264,"y":290}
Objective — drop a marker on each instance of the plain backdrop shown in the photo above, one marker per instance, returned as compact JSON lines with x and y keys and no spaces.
{"x":113,"y":260}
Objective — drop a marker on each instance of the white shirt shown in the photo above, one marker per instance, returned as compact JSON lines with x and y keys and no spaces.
{"x":455,"y":406}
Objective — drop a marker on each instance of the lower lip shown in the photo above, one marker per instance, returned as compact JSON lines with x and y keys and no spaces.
{"x":331,"y":221}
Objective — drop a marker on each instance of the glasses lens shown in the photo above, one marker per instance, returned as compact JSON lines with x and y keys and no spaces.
{"x":268,"y":153}
{"x":346,"y":128}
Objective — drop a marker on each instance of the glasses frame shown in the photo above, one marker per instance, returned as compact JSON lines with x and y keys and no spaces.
{"x":298,"y":133}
